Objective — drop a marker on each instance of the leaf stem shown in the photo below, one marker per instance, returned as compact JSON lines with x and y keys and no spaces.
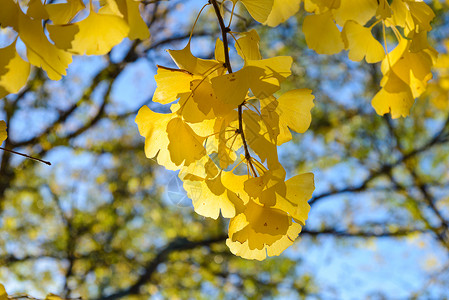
{"x":224,"y":33}
{"x":27,"y":156}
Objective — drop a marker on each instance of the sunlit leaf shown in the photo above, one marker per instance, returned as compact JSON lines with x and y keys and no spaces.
{"x":40,"y":51}
{"x":294,"y":109}
{"x":3,"y":294}
{"x":95,"y":35}
{"x":14,"y":71}
{"x":258,"y":9}
{"x":9,"y":14}
{"x":129,"y":11}
{"x":261,"y":231}
{"x":281,"y":11}
{"x":152,"y":126}
{"x":361,"y":43}
{"x":185,"y":145}
{"x":63,"y":13}
{"x":360,"y":11}
{"x":322,"y":34}
{"x":3,"y":137}
{"x":37,"y":10}
{"x":247,"y":46}
{"x":171,"y":83}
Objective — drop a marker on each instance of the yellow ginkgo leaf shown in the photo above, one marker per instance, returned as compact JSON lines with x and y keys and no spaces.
{"x":3,"y":294}
{"x":395,"y":97}
{"x":185,"y":147}
{"x":40,"y":52}
{"x":95,"y":35}
{"x":203,"y":95}
{"x":63,"y":13}
{"x":271,"y":117}
{"x":321,"y":6}
{"x":258,"y":9}
{"x":14,"y":71}
{"x":171,"y":83}
{"x":185,"y":60}
{"x":265,"y":186}
{"x":205,"y":168}
{"x":188,"y":107}
{"x":36,"y":10}
{"x":401,"y":16}
{"x":232,"y":88}
{"x":420,"y":42}
{"x":398,"y":104}
{"x":267,"y":220}
{"x":209,"y":197}
{"x":53,"y":297}
{"x":322,"y":34}
{"x":206,"y":100}
{"x":219,"y":51}
{"x":294,"y":109}
{"x":413,"y":68}
{"x":110,"y":7}
{"x":260,"y":231}
{"x":152,"y":126}
{"x":258,"y":138}
{"x":282,"y":10}
{"x":226,"y":142}
{"x":360,"y":11}
{"x":361,"y":43}
{"x":299,"y":190}
{"x":9,"y":14}
{"x":383,"y":10}
{"x":6,"y":54}
{"x":235,"y":183}
{"x":422,"y":14}
{"x":129,"y":11}
{"x":138,"y":27}
{"x":3,"y":137}
{"x":247,"y":46}
{"x":242,"y":249}
{"x":271,"y":73}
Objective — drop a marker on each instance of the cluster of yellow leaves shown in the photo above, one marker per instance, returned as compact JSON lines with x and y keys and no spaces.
{"x":406,"y":69}
{"x":95,"y":35}
{"x":214,"y":115}
{"x":4,"y":295}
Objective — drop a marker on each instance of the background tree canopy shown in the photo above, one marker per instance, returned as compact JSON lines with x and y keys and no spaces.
{"x":105,"y":222}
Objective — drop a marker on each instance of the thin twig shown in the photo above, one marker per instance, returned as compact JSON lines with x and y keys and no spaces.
{"x":27,"y":156}
{"x":224,"y":32}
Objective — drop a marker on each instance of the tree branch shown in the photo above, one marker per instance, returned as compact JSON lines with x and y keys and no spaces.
{"x":176,"y":245}
{"x":224,"y":33}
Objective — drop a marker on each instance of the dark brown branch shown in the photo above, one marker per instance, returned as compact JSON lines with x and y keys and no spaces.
{"x":442,"y":233}
{"x":363,"y":234}
{"x":179,"y":244}
{"x":224,"y":33}
{"x":387,"y":168}
{"x":27,"y":156}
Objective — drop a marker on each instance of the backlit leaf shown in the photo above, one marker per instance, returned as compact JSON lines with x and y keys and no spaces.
{"x":3,"y":137}
{"x":281,"y":11}
{"x":322,"y":34}
{"x":14,"y":71}
{"x":95,"y":35}
{"x":63,"y":13}
{"x":361,"y":43}
{"x":40,"y":51}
